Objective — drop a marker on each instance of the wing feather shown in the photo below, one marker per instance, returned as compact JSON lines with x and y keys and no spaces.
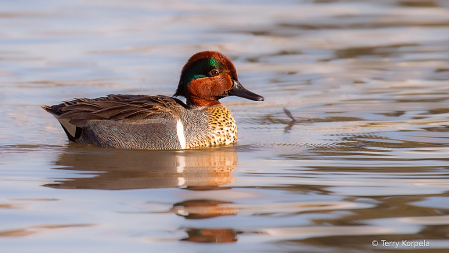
{"x":117,"y":107}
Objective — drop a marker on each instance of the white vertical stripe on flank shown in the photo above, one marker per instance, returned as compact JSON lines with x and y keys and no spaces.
{"x":180,"y":132}
{"x":182,"y":164}
{"x":181,"y":181}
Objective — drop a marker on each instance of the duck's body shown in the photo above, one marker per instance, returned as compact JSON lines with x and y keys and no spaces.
{"x":144,"y":122}
{"x":161,"y":122}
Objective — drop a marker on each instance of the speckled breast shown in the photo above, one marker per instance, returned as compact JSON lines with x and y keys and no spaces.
{"x":222,"y":125}
{"x":204,"y":127}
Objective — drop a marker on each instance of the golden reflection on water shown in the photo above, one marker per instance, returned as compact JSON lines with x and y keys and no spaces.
{"x":196,"y":170}
{"x":134,"y":169}
{"x":204,"y":235}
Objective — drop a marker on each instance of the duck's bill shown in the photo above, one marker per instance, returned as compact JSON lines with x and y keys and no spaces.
{"x":240,"y":91}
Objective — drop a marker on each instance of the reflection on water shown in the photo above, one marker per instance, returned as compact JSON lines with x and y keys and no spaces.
{"x":211,"y":235}
{"x":134,"y":169}
{"x":349,"y":147}
{"x":197,"y":170}
{"x":203,"y":208}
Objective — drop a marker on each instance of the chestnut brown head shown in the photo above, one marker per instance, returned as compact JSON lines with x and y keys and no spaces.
{"x":209,"y":76}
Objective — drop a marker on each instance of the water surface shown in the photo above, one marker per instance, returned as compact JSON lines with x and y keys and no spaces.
{"x":362,"y":160}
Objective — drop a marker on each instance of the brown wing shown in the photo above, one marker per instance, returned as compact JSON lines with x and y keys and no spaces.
{"x":116,"y":107}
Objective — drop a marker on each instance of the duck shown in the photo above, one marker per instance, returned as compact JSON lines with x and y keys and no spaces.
{"x":161,"y":122}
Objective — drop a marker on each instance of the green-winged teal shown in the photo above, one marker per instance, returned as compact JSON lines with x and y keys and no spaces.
{"x":161,"y":122}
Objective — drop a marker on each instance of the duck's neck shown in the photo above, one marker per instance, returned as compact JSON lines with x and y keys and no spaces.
{"x":193,"y":100}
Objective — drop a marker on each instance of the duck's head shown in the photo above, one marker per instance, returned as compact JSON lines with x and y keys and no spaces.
{"x":209,"y":76}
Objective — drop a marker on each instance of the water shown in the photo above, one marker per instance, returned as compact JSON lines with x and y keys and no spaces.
{"x":363,"y":162}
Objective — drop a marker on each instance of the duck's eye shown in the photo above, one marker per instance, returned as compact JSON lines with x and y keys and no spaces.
{"x":214,"y":72}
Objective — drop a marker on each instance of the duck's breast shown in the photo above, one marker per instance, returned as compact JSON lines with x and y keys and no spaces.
{"x":209,"y":126}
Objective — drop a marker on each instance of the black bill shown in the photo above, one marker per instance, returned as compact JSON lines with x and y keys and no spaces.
{"x":240,"y":91}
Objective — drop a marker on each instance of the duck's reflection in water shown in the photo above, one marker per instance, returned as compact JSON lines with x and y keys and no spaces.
{"x":211,"y":235}
{"x":196,"y":170}
{"x":134,"y":169}
{"x":205,"y":209}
